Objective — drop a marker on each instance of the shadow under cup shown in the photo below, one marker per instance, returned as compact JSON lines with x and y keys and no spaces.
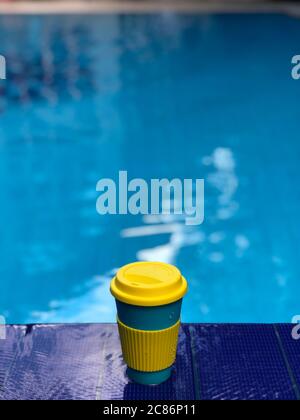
{"x":149,"y":318}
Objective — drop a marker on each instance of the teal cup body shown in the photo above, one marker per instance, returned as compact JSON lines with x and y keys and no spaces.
{"x":148,"y":298}
{"x":149,"y":318}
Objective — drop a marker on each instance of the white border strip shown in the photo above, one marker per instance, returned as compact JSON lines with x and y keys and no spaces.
{"x":107,"y":6}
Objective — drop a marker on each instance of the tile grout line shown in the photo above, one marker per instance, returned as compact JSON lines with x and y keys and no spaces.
{"x":287,"y":363}
{"x":196,"y":376}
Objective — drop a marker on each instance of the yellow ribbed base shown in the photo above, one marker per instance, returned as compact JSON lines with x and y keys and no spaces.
{"x":149,"y":351}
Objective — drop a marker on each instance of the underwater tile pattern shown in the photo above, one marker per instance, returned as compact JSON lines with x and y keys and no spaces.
{"x":84,"y":361}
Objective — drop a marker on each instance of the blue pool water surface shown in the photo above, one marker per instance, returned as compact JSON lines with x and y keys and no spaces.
{"x":166,"y":95}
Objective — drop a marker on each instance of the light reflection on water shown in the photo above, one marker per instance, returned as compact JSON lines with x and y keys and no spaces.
{"x":89,"y":96}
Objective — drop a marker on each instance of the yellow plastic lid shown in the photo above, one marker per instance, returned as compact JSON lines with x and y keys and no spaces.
{"x":148,"y":284}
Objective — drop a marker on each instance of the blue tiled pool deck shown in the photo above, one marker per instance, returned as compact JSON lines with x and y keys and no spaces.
{"x":83,"y":361}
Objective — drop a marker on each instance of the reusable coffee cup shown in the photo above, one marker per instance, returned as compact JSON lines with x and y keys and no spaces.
{"x":148,"y":298}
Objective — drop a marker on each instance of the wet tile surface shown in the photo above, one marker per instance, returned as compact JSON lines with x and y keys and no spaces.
{"x":240,"y":362}
{"x":290,"y":341}
{"x":84,"y":361}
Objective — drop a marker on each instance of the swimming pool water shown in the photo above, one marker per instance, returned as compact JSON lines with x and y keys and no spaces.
{"x":166,"y":95}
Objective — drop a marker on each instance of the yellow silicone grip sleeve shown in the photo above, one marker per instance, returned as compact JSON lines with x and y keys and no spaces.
{"x":149,"y":351}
